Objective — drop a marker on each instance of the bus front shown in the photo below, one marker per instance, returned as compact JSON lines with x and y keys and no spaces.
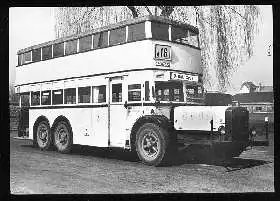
{"x":179,"y":94}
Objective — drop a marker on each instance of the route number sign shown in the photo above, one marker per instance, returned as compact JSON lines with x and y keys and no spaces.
{"x":162,"y":52}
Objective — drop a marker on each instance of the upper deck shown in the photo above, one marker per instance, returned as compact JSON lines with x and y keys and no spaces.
{"x":146,"y":42}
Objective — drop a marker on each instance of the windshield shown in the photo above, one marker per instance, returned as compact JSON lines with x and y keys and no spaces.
{"x":174,"y":92}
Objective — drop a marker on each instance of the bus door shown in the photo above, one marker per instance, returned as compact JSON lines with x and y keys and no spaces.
{"x":116,"y":111}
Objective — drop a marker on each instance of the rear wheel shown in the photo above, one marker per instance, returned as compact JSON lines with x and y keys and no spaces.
{"x":152,"y":142}
{"x":43,"y":135}
{"x":63,"y":138}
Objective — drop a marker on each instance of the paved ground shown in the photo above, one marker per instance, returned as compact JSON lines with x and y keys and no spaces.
{"x":94,"y":171}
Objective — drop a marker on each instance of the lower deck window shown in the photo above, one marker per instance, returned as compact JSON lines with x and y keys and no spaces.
{"x":24,"y":99}
{"x":117,"y":93}
{"x":46,"y":97}
{"x":84,"y":95}
{"x":57,"y":97}
{"x":35,"y":98}
{"x":70,"y":96}
{"x":134,"y":92}
{"x":99,"y":94}
{"x":169,"y":91}
{"x":193,"y":91}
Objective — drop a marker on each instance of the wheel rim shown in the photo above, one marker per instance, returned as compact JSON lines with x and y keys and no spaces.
{"x":150,"y":145}
{"x":61,"y":136}
{"x":42,"y":135}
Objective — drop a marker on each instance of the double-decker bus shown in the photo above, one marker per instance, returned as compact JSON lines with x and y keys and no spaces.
{"x":136,"y":85}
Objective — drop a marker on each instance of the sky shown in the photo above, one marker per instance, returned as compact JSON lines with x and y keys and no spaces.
{"x":31,"y":26}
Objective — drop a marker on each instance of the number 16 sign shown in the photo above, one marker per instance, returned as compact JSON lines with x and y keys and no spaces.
{"x":162,"y":52}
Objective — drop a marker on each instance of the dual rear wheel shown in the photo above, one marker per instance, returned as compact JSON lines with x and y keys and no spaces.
{"x":61,"y":137}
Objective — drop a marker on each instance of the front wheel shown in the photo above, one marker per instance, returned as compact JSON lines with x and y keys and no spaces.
{"x":152,"y":142}
{"x":63,"y":138}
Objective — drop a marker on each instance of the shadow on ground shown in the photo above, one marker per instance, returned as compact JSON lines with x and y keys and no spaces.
{"x":190,"y":155}
{"x":204,"y":155}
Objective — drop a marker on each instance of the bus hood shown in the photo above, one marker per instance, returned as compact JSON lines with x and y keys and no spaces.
{"x":198,"y":117}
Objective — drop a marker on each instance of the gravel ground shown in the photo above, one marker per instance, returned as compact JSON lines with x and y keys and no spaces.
{"x":98,"y":171}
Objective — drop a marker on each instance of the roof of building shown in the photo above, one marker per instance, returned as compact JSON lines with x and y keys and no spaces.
{"x":250,"y":85}
{"x":254,"y":97}
{"x":113,"y":26}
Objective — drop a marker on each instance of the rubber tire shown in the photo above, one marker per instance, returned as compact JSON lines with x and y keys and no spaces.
{"x":49,"y":136}
{"x":67,"y":148}
{"x":163,"y":138}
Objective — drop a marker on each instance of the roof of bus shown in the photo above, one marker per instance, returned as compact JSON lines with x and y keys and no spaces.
{"x":110,"y":27}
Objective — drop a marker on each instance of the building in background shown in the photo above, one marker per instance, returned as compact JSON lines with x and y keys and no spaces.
{"x":259,"y":100}
{"x":249,"y":87}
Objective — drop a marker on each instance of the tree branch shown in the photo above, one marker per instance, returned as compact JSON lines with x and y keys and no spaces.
{"x":166,"y":10}
{"x":150,"y":13}
{"x":133,"y":11}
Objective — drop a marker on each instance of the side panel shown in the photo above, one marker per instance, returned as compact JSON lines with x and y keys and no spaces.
{"x":89,"y":125}
{"x":198,"y":117}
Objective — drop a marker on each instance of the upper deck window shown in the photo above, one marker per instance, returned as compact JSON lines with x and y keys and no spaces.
{"x":27,"y":57}
{"x":58,"y":50}
{"x":100,"y":40}
{"x":20,"y":59}
{"x":47,"y":52}
{"x":160,"y":31}
{"x":185,"y":36}
{"x":85,"y":43}
{"x":117,"y":36}
{"x":71,"y":47}
{"x":36,"y":55}
{"x":136,"y":32}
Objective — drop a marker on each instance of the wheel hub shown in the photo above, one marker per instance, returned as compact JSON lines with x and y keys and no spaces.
{"x":62,"y":136}
{"x":150,"y":145}
{"x":43,"y":134}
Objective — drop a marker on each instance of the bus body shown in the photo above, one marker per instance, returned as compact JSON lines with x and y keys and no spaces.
{"x":135,"y":85}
